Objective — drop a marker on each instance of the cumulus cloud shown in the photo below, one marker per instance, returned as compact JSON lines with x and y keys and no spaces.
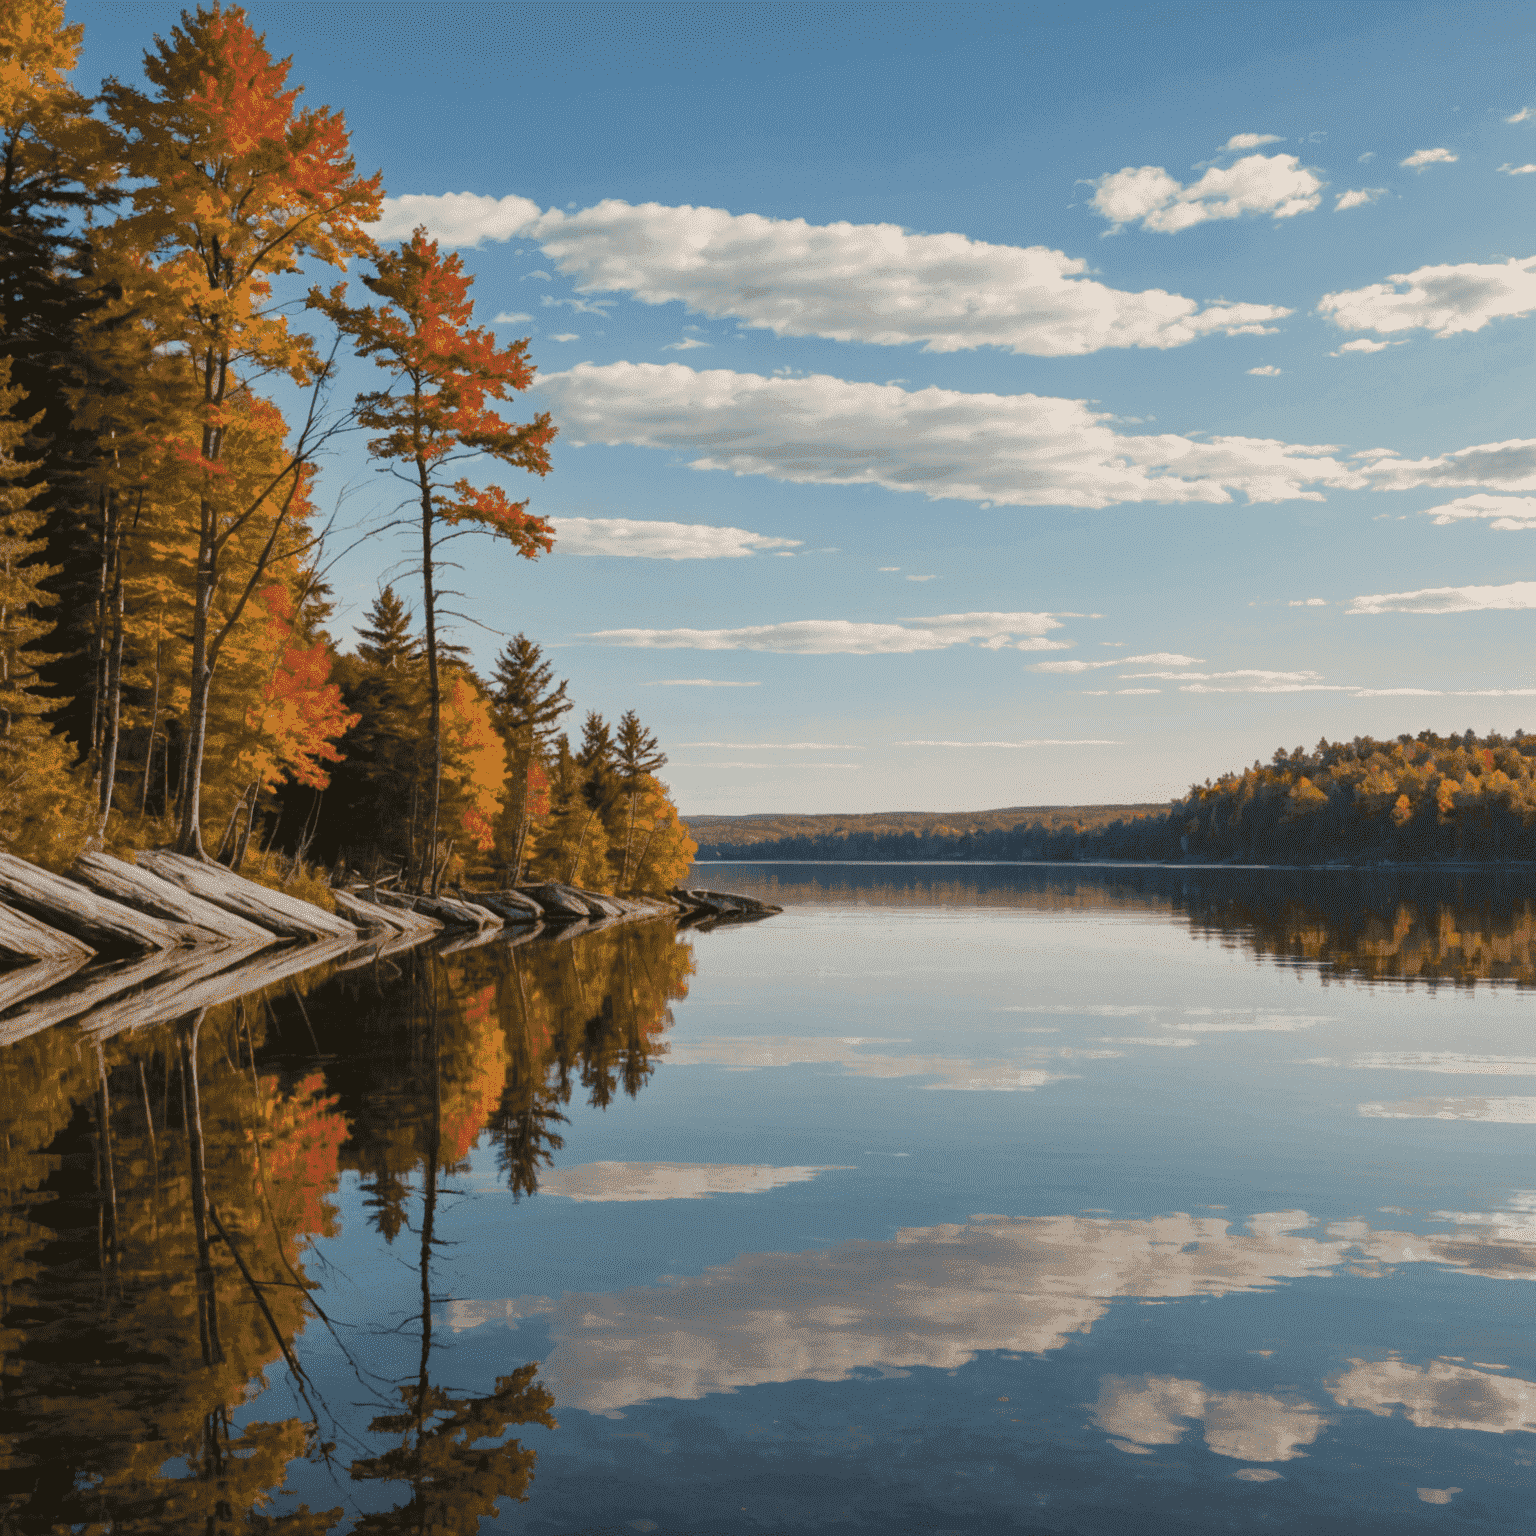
{"x":874,"y":283}
{"x":1469,"y":599}
{"x":1152,"y":658}
{"x":687,"y":344}
{"x":1278,"y":185}
{"x":1268,"y":371}
{"x":1504,"y":512}
{"x":697,"y":682}
{"x":1309,"y":602}
{"x":566,"y":336}
{"x":659,"y":541}
{"x":829,"y":637}
{"x":515,"y":319}
{"x":1144,"y":1411}
{"x":1252,"y":140}
{"x":1522,"y":115}
{"x":454,"y":218}
{"x":670,"y":1181}
{"x":1358,"y":197}
{"x":1444,"y":299}
{"x":1013,"y":450}
{"x":1422,"y":157}
{"x":1364,"y":344}
{"x":1510,"y":169}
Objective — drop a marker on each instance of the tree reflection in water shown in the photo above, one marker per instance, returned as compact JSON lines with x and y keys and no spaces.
{"x":160,"y":1190}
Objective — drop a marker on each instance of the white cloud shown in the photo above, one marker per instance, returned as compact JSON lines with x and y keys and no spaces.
{"x":1252,"y":140}
{"x":687,"y":344}
{"x":1041,"y":742}
{"x":1268,"y":371}
{"x":1152,"y":659}
{"x":1440,"y":1395}
{"x":1422,"y":157}
{"x":921,"y":578}
{"x":775,"y":746}
{"x":454,"y":218}
{"x":1509,"y":168}
{"x":1434,"y":1061}
{"x":1439,"y":1495}
{"x":1358,"y":197}
{"x":828,"y":637}
{"x":1524,"y":114}
{"x":1137,"y":690}
{"x":1147,"y":195}
{"x":1364,"y":159}
{"x":1010,"y":450}
{"x":658,"y":541}
{"x":874,"y":283}
{"x":506,"y":319}
{"x":1471,"y":599}
{"x":670,"y":1181}
{"x":1252,"y":674}
{"x":1309,"y":602}
{"x":566,"y":336}
{"x":1364,"y":344}
{"x":1247,"y":1426}
{"x":1444,"y":299}
{"x":697,"y":682}
{"x":1505,"y":512}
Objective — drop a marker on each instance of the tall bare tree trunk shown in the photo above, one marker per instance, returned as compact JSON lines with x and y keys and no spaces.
{"x":434,"y":686}
{"x":207,"y":1298}
{"x":114,"y":720}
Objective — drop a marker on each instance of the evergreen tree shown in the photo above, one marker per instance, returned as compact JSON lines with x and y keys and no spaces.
{"x":637,"y":755}
{"x":527,"y":704}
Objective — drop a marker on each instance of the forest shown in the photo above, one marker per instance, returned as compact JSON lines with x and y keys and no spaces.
{"x":168,"y":393}
{"x":1418,"y":799}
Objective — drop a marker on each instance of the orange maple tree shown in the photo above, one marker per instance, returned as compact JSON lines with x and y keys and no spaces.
{"x":232,"y":183}
{"x":434,"y":412}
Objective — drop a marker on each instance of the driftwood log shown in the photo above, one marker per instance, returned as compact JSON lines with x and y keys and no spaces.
{"x":455,"y":916}
{"x":276,"y":911}
{"x":393,"y":920}
{"x":18,"y":985}
{"x":557,"y":900}
{"x":511,"y":906}
{"x":145,"y":891}
{"x":106,"y":926}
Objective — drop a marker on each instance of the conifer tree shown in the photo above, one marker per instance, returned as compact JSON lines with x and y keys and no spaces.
{"x":637,"y":755}
{"x":527,"y":706}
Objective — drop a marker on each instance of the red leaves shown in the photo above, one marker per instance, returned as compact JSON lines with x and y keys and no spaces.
{"x":530,"y":536}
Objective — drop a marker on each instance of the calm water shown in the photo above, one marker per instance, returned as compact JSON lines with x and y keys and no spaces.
{"x":998,"y":1199}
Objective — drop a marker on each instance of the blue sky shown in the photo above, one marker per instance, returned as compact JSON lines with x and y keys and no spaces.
{"x":1068,"y":385}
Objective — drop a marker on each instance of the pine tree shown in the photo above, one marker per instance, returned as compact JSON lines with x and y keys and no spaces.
{"x":526,"y":707}
{"x":638,"y":756}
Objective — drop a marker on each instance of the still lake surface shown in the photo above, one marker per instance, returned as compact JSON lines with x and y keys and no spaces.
{"x":955,"y":1199}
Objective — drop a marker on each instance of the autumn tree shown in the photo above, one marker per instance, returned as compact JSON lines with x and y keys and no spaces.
{"x":434,"y":413}
{"x":637,"y":755}
{"x":233,"y":183}
{"x":528,"y":704}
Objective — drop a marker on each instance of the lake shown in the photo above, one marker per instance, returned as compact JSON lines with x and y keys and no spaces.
{"x":955,"y":1199}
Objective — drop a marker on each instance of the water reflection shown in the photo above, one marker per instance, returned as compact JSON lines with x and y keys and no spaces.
{"x":161,"y":1191}
{"x":939,"y":1296}
{"x":1382,"y":924}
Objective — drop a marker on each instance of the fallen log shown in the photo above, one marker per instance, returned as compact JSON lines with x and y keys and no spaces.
{"x":24,"y":938}
{"x":456,"y":916}
{"x":276,"y":911}
{"x":146,"y":892}
{"x":513,"y":906}
{"x":558,"y":901}
{"x":191,"y":993}
{"x":387,"y":907}
{"x":108,"y":927}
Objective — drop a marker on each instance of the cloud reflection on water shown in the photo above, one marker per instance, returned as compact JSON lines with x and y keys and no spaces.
{"x":1143,"y":1411}
{"x":938,"y":1296}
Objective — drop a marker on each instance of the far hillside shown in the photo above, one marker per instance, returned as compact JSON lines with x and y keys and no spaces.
{"x":738,"y":832}
{"x":1416,"y":799}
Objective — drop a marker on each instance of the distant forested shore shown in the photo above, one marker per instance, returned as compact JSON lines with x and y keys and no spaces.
{"x":1416,"y":799}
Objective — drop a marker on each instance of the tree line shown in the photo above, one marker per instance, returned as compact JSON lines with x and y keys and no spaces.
{"x":1416,"y":799}
{"x":166,"y":674}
